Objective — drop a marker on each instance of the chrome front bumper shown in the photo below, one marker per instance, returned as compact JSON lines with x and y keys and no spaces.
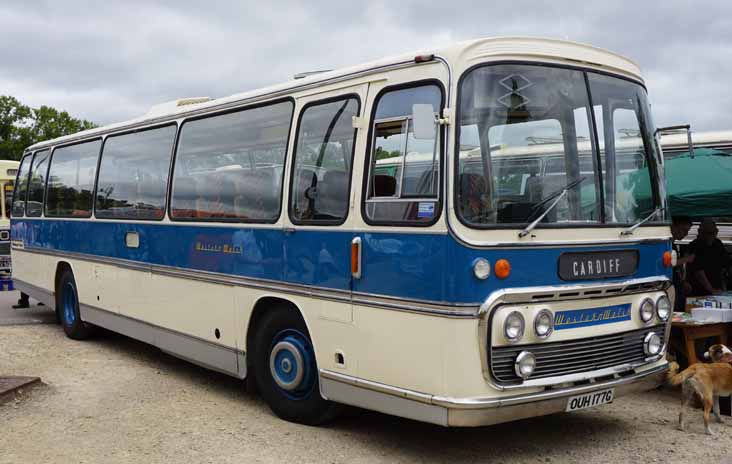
{"x":472,"y":412}
{"x":487,"y":412}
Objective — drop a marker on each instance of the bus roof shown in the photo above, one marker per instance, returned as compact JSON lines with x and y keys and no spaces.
{"x":461,"y":56}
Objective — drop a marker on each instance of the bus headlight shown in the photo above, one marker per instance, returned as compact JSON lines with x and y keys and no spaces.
{"x":513,"y":327}
{"x":663,"y":308}
{"x":544,"y":323}
{"x":482,"y":268}
{"x":525,"y":364}
{"x":647,"y":308}
{"x":652,"y":344}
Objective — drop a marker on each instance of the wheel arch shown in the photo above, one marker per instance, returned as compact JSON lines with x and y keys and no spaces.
{"x":260,"y":307}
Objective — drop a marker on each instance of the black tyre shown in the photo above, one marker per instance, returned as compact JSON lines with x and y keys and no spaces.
{"x":67,"y":302}
{"x":285,"y":370}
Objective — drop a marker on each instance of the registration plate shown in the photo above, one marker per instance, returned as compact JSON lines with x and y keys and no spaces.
{"x":590,"y":400}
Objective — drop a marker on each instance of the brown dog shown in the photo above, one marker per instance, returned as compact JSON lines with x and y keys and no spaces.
{"x":718,"y":354}
{"x":704,"y":381}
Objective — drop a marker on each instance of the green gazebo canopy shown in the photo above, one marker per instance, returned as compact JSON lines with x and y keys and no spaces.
{"x":696,"y":187}
{"x":700,"y":186}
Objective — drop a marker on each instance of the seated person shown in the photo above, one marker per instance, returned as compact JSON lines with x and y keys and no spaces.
{"x":711,"y":259}
{"x":679,"y":230}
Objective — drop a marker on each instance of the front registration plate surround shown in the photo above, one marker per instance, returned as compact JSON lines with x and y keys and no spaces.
{"x":590,"y":400}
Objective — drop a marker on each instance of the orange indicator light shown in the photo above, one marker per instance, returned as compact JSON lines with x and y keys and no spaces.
{"x":503,"y":268}
{"x":667,"y":259}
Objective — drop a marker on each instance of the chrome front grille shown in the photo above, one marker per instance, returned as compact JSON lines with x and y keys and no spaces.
{"x":573,"y":356}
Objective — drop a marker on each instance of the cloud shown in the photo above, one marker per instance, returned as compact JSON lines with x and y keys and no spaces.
{"x":111,"y":61}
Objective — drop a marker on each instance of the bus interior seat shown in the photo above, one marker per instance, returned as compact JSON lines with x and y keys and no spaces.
{"x":384,"y":186}
{"x":513,"y":212}
{"x":256,"y":197}
{"x":223,"y":201}
{"x":306,"y":178}
{"x":186,"y":196}
{"x":471,"y":200}
{"x":332,"y":197}
{"x":150,"y":198}
{"x":268,"y":191}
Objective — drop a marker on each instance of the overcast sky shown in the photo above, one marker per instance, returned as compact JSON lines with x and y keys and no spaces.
{"x":110,"y":61}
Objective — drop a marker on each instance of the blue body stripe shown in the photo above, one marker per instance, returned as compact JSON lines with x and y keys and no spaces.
{"x":432,"y":267}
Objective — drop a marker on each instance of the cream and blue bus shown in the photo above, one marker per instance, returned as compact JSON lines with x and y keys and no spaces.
{"x":261,"y":235}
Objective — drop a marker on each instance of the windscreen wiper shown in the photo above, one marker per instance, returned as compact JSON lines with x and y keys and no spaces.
{"x":631,"y":229}
{"x":559,"y":194}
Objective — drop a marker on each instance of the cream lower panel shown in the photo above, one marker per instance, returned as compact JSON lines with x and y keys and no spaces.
{"x":403,"y":349}
{"x":86,"y":284}
{"x":40,"y":270}
{"x":463,"y":367}
{"x":187,"y":306}
{"x":33,"y":268}
{"x":109,"y":291}
{"x":560,"y":334}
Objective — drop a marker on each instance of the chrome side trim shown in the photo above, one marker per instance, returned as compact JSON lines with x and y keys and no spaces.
{"x":375,"y":400}
{"x":462,"y":310}
{"x":438,"y":309}
{"x":188,"y":347}
{"x":489,"y":402}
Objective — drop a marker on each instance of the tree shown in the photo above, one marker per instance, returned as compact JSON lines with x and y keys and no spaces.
{"x":22,"y":126}
{"x":14,"y":122}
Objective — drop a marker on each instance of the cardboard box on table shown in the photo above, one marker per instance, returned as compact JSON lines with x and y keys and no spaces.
{"x":712,"y":308}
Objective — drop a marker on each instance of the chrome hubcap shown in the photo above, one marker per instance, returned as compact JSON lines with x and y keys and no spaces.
{"x":292,"y":364}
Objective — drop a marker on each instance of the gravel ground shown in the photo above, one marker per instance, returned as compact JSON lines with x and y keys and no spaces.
{"x":113,"y":399}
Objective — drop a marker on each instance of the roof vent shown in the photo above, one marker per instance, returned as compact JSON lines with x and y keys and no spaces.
{"x":171,"y":106}
{"x":305,"y":74}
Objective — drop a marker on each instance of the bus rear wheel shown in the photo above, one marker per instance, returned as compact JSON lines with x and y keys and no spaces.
{"x":67,"y":300}
{"x":285,"y":369}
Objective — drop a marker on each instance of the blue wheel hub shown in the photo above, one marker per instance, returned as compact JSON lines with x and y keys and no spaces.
{"x":292,"y":364}
{"x":69,"y":304}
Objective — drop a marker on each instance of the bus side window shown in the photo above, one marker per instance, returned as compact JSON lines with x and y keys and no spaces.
{"x":71,"y":180}
{"x":323,"y":162}
{"x":133,"y":174}
{"x":21,"y":188}
{"x":37,"y":184}
{"x":229,"y":167}
{"x":403,"y":181}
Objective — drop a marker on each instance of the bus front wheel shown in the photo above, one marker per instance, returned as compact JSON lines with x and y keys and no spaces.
{"x":285,"y":369}
{"x":68,"y":304}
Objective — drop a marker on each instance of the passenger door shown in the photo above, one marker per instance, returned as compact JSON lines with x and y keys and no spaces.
{"x":402,"y":200}
{"x":402,"y":240}
{"x":318,"y":223}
